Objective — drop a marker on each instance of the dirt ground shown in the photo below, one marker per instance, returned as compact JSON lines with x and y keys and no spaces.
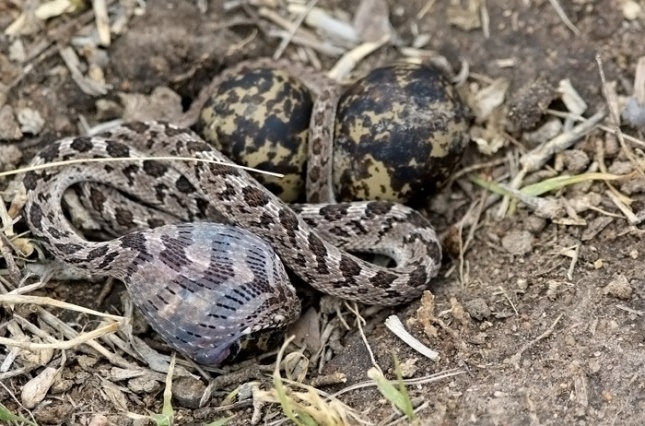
{"x":543,"y":313}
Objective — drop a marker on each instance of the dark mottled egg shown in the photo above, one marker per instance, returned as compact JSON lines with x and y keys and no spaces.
{"x":400,"y":132}
{"x":260,"y":118}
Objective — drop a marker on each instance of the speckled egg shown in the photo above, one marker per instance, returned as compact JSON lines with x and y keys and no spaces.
{"x":400,"y":132}
{"x":260,"y":118}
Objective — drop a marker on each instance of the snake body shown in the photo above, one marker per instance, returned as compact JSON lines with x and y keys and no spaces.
{"x":203,"y":286}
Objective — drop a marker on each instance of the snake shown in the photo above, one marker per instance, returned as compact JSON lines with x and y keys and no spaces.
{"x":204,"y":249}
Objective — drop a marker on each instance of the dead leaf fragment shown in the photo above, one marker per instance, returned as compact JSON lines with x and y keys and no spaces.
{"x":372,"y":20}
{"x":619,"y":288}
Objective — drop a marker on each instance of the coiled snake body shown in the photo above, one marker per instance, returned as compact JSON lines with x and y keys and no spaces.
{"x":204,"y":286}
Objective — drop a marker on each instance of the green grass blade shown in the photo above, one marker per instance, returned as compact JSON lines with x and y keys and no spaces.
{"x":6,"y":416}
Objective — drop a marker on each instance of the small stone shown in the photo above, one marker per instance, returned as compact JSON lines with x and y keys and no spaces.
{"x":30,"y":121}
{"x":10,"y":156}
{"x":575,"y":160}
{"x":549,"y":208}
{"x":593,"y":366}
{"x":633,"y":186}
{"x":478,"y":309}
{"x":143,"y":385}
{"x":162,"y":104}
{"x":518,"y":243}
{"x":36,"y":389}
{"x":87,"y":362}
{"x":307,"y":330}
{"x":56,"y":412}
{"x":612,"y":146}
{"x":188,"y":392}
{"x":17,"y":52}
{"x":619,"y":167}
{"x":478,"y":339}
{"x":619,"y":288}
{"x":9,"y":128}
{"x":61,"y":386}
{"x":535,"y":224}
{"x":631,"y":10}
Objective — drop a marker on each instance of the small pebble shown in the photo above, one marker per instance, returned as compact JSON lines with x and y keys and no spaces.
{"x":188,"y":392}
{"x":61,"y":386}
{"x":53,"y":412}
{"x":86,"y":361}
{"x":518,"y":243}
{"x":575,"y":160}
{"x":612,"y":146}
{"x":478,"y":339}
{"x":162,"y":104}
{"x":619,"y":167}
{"x":143,"y":385}
{"x":478,"y":309}
{"x":619,"y":288}
{"x":9,"y":128}
{"x":10,"y":156}
{"x":535,"y":224}
{"x":633,"y":186}
{"x":30,"y":121}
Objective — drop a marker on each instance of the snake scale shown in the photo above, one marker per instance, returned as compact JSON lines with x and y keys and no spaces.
{"x":204,"y":244}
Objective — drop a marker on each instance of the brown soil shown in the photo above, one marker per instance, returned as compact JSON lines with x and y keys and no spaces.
{"x":541,"y":343}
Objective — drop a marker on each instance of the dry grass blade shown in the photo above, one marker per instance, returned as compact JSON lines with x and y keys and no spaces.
{"x":69,"y":344}
{"x":11,"y":299}
{"x":293,"y":28}
{"x":563,"y":16}
{"x":538,"y":157}
{"x":412,"y":382}
{"x":86,"y":84}
{"x":131,"y":159}
{"x":559,"y":182}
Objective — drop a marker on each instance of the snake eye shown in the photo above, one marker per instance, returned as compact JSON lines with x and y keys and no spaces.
{"x":279,"y":319}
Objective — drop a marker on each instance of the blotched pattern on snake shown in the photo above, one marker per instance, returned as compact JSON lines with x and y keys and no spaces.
{"x":204,"y":286}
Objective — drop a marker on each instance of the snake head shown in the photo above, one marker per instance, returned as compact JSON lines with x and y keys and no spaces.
{"x":206,"y":287}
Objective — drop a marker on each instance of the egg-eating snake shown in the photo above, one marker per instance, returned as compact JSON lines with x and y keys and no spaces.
{"x":205,"y":286}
